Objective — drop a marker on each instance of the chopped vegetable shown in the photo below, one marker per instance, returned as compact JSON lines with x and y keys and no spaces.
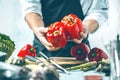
{"x":80,"y":51}
{"x":97,"y":54}
{"x":93,"y":77}
{"x":85,"y":67}
{"x":27,"y":50}
{"x":16,"y":61}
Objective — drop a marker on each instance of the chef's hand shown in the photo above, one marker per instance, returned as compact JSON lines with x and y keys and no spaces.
{"x":40,"y":33}
{"x":82,"y":34}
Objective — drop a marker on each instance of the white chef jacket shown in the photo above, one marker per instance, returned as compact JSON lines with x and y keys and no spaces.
{"x":92,"y":9}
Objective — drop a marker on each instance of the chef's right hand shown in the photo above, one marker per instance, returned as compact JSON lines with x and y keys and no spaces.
{"x":40,"y":33}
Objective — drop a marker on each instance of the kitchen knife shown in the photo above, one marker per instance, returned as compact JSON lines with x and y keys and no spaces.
{"x":55,"y":64}
{"x":33,"y":59}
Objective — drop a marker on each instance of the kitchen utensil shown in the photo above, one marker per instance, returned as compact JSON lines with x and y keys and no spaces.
{"x":34,"y":59}
{"x":67,"y":60}
{"x":55,"y":64}
{"x":113,"y":48}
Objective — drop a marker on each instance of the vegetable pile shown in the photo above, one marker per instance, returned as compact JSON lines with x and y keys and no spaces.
{"x":6,"y":45}
{"x":97,"y":54}
{"x":68,"y":28}
{"x":41,"y":70}
{"x":82,"y":51}
{"x":98,"y":66}
{"x":97,"y":59}
{"x":48,"y":72}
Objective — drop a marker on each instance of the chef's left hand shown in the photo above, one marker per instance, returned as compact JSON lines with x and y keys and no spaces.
{"x":82,"y":34}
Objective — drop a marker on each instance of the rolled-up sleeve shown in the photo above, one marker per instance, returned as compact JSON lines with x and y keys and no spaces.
{"x":97,"y":10}
{"x":29,"y":6}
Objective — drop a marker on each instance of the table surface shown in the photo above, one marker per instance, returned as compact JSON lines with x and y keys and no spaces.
{"x":79,"y":75}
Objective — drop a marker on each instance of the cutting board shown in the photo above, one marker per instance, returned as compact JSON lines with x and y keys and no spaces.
{"x":67,"y":60}
{"x":63,"y":61}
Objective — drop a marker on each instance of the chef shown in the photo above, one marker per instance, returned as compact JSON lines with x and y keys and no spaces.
{"x":41,"y":13}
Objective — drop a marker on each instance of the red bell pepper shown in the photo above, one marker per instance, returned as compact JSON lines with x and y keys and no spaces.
{"x":56,"y":35}
{"x":78,"y":20}
{"x":80,"y":51}
{"x":97,"y":54}
{"x":73,"y":26}
{"x":27,"y":50}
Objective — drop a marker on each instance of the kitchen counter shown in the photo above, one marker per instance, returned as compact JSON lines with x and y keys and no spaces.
{"x":80,"y":75}
{"x":75,"y":74}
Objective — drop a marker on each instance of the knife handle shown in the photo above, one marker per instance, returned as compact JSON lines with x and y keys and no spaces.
{"x":44,"y":56}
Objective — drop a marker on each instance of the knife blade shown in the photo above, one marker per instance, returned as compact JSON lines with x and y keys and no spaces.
{"x":33,"y":59}
{"x":54,"y":63}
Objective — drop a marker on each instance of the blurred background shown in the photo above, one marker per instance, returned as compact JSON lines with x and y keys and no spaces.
{"x":12,"y":23}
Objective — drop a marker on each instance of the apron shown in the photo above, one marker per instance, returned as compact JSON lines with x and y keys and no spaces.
{"x":55,"y":10}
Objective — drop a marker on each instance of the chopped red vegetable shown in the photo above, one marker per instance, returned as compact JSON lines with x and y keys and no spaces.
{"x":27,"y":50}
{"x":97,"y":54}
{"x":80,"y":51}
{"x":93,"y":77}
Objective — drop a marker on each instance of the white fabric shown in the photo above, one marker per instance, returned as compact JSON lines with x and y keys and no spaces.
{"x":92,"y":9}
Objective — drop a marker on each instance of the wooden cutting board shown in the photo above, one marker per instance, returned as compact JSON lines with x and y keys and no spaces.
{"x":67,"y":60}
{"x":63,"y":61}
